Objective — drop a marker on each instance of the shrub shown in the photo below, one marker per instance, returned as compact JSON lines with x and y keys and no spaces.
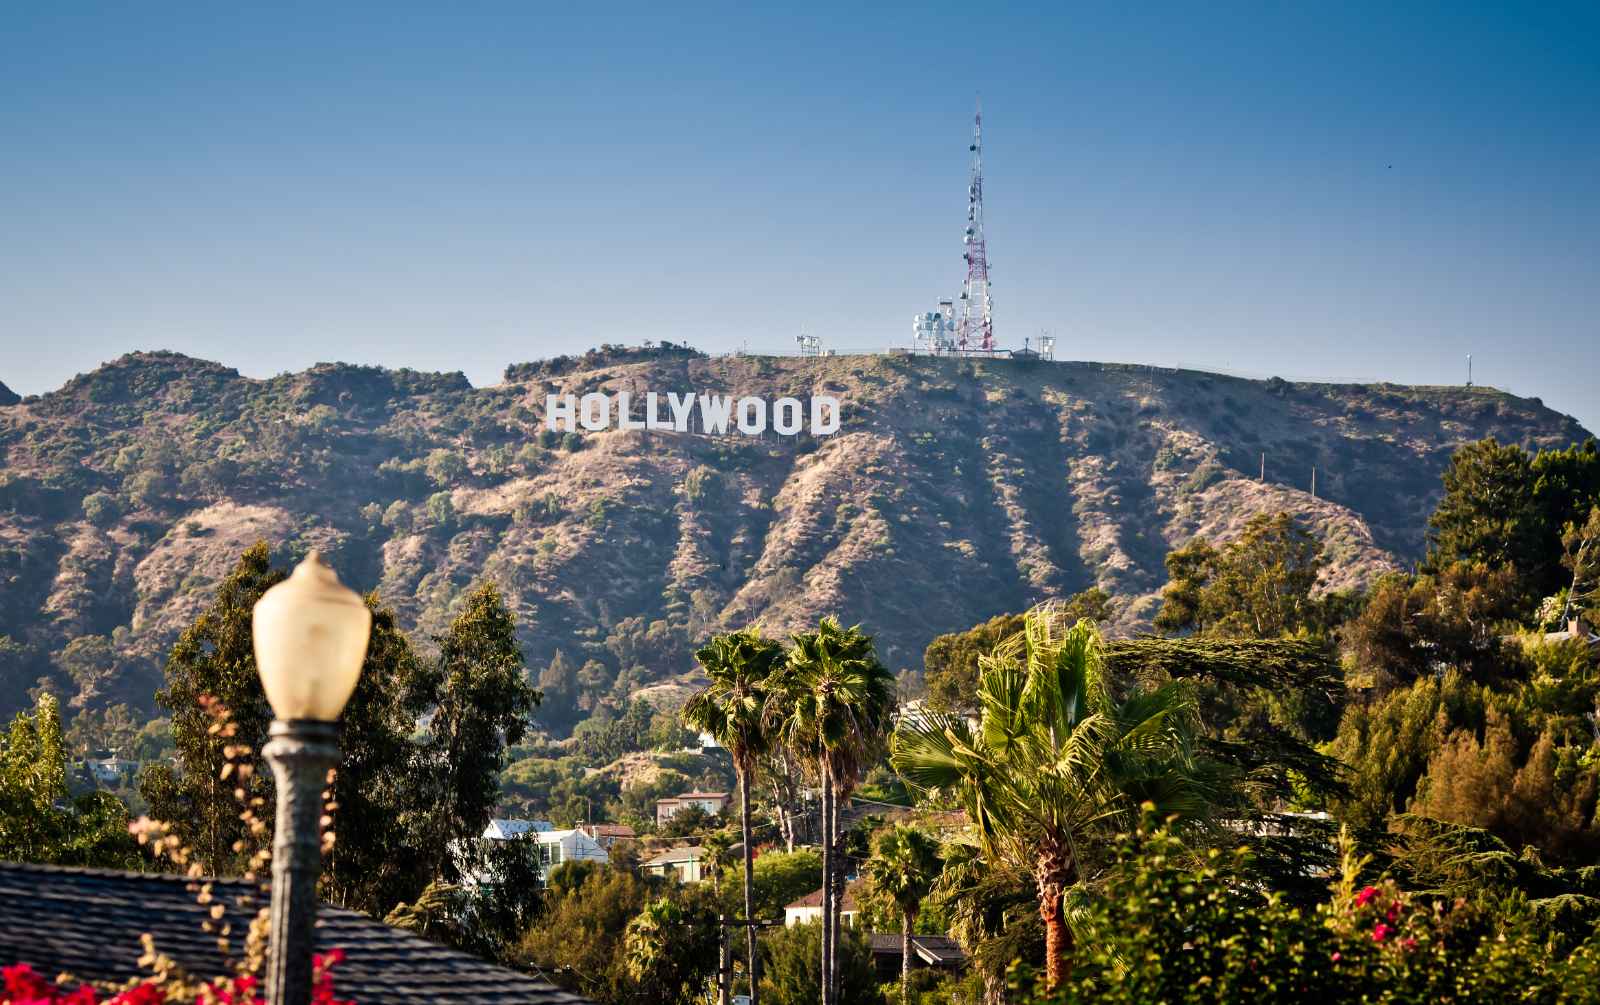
{"x":102,"y":509}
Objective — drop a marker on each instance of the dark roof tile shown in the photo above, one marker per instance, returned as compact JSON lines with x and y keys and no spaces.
{"x":87,"y":922}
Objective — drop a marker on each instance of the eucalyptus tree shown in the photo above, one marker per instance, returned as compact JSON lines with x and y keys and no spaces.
{"x":902,"y":870}
{"x":1057,"y":757}
{"x":832,"y":701}
{"x":733,"y":708}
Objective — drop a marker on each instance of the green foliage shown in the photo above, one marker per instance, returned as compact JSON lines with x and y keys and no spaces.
{"x":1255,"y":586}
{"x":101,"y":508}
{"x":482,"y":706}
{"x":445,"y":467}
{"x":39,"y":822}
{"x":791,"y":968}
{"x":1505,"y":507}
{"x":581,"y":943}
{"x":1173,"y":926}
{"x":1057,"y":757}
{"x":1416,"y":626}
{"x":950,"y":663}
{"x":671,"y":950}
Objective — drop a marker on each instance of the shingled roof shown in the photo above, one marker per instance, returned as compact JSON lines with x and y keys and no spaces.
{"x":87,"y":922}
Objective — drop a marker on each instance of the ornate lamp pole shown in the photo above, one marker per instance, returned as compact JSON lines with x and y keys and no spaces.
{"x":310,"y":637}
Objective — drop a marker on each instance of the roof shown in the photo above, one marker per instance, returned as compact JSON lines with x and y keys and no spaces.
{"x":87,"y":922}
{"x":681,"y":853}
{"x":814,"y":898}
{"x":607,"y":830}
{"x":502,"y":829}
{"x":694,"y":795}
{"x":934,"y":950}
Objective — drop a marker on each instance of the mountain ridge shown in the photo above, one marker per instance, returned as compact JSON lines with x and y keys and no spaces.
{"x":956,"y":489}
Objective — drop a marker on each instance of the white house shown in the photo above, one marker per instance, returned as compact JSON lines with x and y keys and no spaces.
{"x":555,"y":847}
{"x":809,"y":908}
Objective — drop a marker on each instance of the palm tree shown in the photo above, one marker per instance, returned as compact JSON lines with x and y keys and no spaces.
{"x":902,"y":869}
{"x":833,"y":699}
{"x":1056,"y":757}
{"x":733,"y":709}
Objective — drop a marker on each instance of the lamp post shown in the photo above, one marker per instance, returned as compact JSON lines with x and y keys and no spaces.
{"x":310,"y":635}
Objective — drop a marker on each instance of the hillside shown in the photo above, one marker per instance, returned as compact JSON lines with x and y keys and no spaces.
{"x":955,"y":490}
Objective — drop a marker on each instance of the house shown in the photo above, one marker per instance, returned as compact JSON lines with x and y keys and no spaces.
{"x":555,"y":847}
{"x":88,"y":923}
{"x":937,"y":951}
{"x":111,"y":770}
{"x":809,"y":908}
{"x":606,"y":835}
{"x":711,"y":802}
{"x":1577,"y":629}
{"x":687,"y":862}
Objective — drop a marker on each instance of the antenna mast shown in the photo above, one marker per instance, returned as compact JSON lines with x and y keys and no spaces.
{"x":976,"y":327}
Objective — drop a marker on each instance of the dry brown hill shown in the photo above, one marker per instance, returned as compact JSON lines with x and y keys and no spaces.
{"x":956,"y":489}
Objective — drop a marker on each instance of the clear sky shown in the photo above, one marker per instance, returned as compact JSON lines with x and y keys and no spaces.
{"x":1313,"y":190}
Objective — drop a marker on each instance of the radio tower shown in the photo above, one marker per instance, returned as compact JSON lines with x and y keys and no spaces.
{"x":976,"y":327}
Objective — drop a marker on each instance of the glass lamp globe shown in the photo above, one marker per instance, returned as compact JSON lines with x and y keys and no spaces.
{"x":310,"y":633}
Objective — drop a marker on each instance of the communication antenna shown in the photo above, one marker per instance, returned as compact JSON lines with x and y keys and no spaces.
{"x":976,"y":327}
{"x":810,"y":345}
{"x":1469,"y":369}
{"x":1047,"y":345}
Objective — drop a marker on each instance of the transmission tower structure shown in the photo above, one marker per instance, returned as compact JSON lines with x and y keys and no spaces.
{"x":975,"y":330}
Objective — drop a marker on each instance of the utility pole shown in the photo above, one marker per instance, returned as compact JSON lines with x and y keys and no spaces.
{"x":1313,"y":482}
{"x":1263,"y":465}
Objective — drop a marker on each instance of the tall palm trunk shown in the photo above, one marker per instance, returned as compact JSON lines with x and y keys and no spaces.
{"x":837,"y":884}
{"x":1051,"y":874}
{"x":827,"y":891}
{"x":753,"y":960}
{"x":907,"y":920}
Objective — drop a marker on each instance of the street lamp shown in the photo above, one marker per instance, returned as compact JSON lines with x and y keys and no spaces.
{"x":310,"y":636}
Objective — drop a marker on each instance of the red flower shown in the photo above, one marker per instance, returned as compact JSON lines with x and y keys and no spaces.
{"x":1365,"y":895}
{"x":1380,"y":931}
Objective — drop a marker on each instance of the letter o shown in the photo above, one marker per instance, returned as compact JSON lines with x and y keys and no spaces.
{"x":752,"y":416}
{"x":787,"y":416}
{"x":587,"y":416}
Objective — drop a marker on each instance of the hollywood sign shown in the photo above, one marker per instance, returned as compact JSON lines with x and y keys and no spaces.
{"x":718,"y":413}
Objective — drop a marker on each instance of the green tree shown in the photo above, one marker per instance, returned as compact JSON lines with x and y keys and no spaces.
{"x":481,"y":706}
{"x":90,"y":662}
{"x":903,"y":867}
{"x":792,"y":967}
{"x":214,"y":660}
{"x":1057,"y":756}
{"x":833,"y":699}
{"x":1255,"y":586}
{"x":733,"y":708}
{"x":39,"y":821}
{"x":377,"y":860}
{"x":1487,"y":513}
{"x":671,"y":950}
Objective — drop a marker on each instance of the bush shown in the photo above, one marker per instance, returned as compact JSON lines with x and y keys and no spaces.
{"x":1174,"y":925}
{"x":102,"y":509}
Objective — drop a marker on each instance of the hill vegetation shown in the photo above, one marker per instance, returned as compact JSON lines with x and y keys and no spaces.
{"x":956,"y":490}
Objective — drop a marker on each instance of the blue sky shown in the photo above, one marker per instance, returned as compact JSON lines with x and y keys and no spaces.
{"x":1317,"y":191}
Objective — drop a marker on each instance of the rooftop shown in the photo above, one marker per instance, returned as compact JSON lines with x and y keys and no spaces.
{"x":814,"y":898}
{"x":679,"y":853}
{"x":934,"y":950}
{"x":88,"y":923}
